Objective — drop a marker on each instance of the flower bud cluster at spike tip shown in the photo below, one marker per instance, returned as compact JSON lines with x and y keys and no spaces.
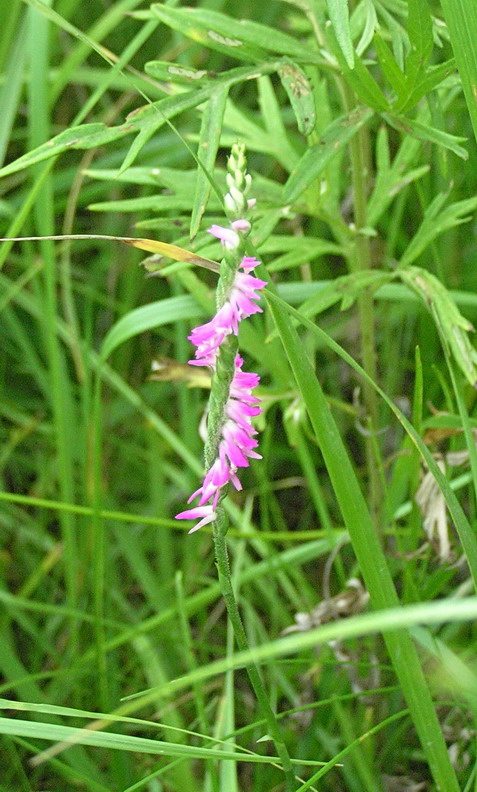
{"x":235,"y":442}
{"x":238,"y":182}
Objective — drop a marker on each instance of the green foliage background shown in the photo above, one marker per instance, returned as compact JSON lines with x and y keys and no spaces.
{"x":359,"y":121}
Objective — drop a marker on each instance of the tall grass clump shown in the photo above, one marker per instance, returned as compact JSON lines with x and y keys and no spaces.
{"x":296,"y":350}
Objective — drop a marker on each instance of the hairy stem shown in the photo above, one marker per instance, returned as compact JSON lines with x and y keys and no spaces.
{"x":225,"y":580}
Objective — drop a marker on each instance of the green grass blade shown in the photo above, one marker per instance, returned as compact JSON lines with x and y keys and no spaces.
{"x":316,"y":158}
{"x":339,"y":17}
{"x":369,"y":553}
{"x":461,"y":18}
{"x":209,"y":139}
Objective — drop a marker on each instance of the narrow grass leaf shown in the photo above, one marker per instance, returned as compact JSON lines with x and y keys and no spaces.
{"x":126,"y":742}
{"x":461,"y":19}
{"x":369,"y":553}
{"x":148,"y":317}
{"x":315,"y":160}
{"x":300,"y":94}
{"x":425,"y":132}
{"x":338,"y":12}
{"x":464,"y":530}
{"x":209,"y":139}
{"x":237,"y":38}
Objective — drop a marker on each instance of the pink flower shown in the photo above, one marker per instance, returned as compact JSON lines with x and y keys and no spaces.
{"x":229,"y":236}
{"x":235,"y":448}
{"x":240,"y":303}
{"x":237,"y":442}
{"x":206,"y":512}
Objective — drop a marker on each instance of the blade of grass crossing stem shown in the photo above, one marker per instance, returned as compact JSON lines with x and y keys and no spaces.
{"x":369,"y":553}
{"x":461,"y":18}
{"x":39,"y":123}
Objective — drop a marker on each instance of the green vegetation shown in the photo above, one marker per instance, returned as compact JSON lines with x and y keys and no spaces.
{"x":352,"y":546}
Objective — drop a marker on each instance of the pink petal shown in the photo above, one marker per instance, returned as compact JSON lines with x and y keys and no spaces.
{"x":229,"y":238}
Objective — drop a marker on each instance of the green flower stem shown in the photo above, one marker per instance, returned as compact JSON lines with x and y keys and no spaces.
{"x":221,"y":556}
{"x":219,"y":394}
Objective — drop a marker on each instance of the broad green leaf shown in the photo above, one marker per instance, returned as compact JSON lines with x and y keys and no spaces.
{"x":273,"y":117}
{"x":160,"y":177}
{"x":209,"y":139}
{"x":345,"y":289}
{"x":360,"y":79}
{"x":363,"y":22}
{"x":255,"y":137}
{"x":315,"y":160}
{"x":150,"y":203}
{"x":365,"y":86}
{"x":426,"y":83}
{"x":339,"y":17}
{"x":237,"y":38}
{"x":423,"y":131}
{"x":392,"y":177}
{"x":300,"y":94}
{"x":297,"y":251}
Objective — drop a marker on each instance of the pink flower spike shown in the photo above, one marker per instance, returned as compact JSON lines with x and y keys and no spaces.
{"x":229,"y":238}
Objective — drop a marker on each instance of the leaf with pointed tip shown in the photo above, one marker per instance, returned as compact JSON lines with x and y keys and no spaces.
{"x":148,"y":317}
{"x":339,"y":17}
{"x":315,"y":160}
{"x":419,"y":28}
{"x":423,"y":131}
{"x":176,"y":73}
{"x":237,"y":38}
{"x":298,"y":88}
{"x":209,"y":139}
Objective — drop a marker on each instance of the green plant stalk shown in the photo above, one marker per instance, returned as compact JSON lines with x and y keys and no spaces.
{"x":218,"y":398}
{"x":369,"y":553}
{"x":223,"y":567}
{"x":362,"y":261}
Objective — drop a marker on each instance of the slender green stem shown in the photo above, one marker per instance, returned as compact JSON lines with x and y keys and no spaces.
{"x":362,"y":261}
{"x":225,"y":581}
{"x":218,"y":398}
